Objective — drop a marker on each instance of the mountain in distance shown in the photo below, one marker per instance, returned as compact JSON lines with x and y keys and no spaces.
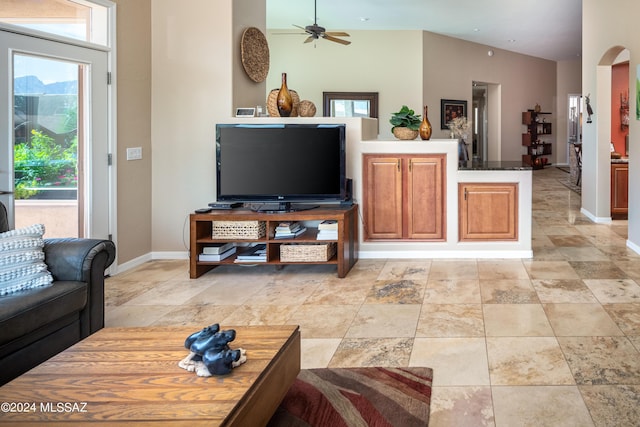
{"x":32,"y":85}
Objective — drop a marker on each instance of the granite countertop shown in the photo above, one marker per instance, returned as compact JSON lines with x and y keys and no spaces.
{"x":620,"y":160}
{"x":493,"y":166}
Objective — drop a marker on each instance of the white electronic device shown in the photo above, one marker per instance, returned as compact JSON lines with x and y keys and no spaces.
{"x":245,"y":112}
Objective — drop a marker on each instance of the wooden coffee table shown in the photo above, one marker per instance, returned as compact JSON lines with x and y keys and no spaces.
{"x":127,"y":375}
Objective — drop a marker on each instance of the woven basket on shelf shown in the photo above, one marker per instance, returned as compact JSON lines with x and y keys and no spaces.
{"x":238,"y":229}
{"x":405,"y":133}
{"x":306,"y":108}
{"x":307,"y":252}
{"x":272,"y":103}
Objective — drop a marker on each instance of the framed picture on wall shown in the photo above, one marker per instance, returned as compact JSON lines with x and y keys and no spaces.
{"x":450,"y":109}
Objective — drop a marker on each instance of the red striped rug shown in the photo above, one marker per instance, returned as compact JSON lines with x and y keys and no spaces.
{"x":357,"y":397}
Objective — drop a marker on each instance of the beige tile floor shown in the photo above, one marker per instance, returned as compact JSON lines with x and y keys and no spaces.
{"x":548,"y":341}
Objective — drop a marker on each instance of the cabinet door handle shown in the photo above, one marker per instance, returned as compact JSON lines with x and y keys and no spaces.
{"x":465,"y":193}
{"x":410,"y":165}
{"x":399,"y":165}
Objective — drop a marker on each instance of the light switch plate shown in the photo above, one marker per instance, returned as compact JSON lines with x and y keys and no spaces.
{"x":134,"y":153}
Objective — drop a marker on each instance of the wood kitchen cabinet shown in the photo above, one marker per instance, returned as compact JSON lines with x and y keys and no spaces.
{"x":619,"y":190}
{"x":404,"y":196}
{"x":488,"y":211}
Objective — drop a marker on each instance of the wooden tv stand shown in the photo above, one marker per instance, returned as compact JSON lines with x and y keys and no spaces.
{"x":347,"y":242}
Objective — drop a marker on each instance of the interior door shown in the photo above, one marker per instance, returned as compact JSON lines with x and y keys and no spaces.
{"x":23,"y":112}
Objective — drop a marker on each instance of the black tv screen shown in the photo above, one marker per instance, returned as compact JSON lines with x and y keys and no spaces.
{"x":280,"y":162}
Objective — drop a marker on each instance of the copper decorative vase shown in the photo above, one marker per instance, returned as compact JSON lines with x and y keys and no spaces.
{"x":284,"y":100}
{"x":425,"y":127}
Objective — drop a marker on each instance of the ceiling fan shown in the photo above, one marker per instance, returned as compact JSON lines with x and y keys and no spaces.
{"x":315,"y":31}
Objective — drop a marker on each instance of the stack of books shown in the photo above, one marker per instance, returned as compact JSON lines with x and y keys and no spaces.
{"x":328,"y":230}
{"x":217,"y":251}
{"x":289,"y":230}
{"x":257,"y":253}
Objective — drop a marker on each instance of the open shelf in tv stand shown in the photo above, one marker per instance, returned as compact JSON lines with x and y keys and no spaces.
{"x":200,"y":232}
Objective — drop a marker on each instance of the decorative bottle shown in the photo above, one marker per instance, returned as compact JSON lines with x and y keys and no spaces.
{"x":284,"y":99}
{"x":425,"y":127}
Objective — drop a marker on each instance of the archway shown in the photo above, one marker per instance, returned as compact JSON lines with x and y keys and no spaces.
{"x":597,"y":161}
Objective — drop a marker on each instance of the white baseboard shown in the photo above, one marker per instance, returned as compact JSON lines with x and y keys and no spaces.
{"x":151,"y":256}
{"x":496,"y":254}
{"x":596,"y":219}
{"x":170,"y":255}
{"x":121,"y":268}
{"x":633,"y":246}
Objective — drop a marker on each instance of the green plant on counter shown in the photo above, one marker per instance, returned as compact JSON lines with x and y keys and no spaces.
{"x":406,"y":118}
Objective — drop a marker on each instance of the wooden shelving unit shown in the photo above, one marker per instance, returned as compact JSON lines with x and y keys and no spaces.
{"x":347,"y":242}
{"x":533,"y":140}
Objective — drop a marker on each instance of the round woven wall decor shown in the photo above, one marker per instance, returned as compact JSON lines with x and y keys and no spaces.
{"x":254,"y":52}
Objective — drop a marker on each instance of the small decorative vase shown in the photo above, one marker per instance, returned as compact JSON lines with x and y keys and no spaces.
{"x":284,"y":100}
{"x":404,"y":133}
{"x":425,"y":127}
{"x":272,"y":103}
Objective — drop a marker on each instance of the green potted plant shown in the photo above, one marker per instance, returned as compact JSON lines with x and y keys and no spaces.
{"x":405,"y":123}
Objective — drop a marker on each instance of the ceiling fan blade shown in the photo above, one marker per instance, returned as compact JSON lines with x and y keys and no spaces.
{"x":337,"y":33}
{"x":309,"y":39}
{"x":334,"y":39}
{"x":298,"y":26}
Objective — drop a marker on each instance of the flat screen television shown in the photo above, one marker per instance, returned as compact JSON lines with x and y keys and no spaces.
{"x":280,"y":164}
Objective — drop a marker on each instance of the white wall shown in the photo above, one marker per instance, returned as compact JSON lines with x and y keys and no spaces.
{"x":454,"y":64}
{"x":609,"y":27}
{"x":388,"y":62}
{"x":192,"y":86}
{"x":133,"y":82}
{"x":416,"y":68}
{"x":196,"y":82}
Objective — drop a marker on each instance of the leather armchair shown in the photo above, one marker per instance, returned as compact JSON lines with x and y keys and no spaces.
{"x":38,"y":323}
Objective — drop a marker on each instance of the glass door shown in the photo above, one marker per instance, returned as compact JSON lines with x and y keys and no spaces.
{"x":47,"y":121}
{"x":54,"y":161}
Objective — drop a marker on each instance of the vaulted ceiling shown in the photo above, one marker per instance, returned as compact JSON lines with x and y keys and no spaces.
{"x":550,"y":29}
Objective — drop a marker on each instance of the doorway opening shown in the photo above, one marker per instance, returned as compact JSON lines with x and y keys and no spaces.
{"x":480,"y":120}
{"x":597,"y":176}
{"x":619,"y":138}
{"x":574,"y":134}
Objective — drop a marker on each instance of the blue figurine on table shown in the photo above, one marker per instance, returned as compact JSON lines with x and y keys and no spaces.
{"x":210,"y":354}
